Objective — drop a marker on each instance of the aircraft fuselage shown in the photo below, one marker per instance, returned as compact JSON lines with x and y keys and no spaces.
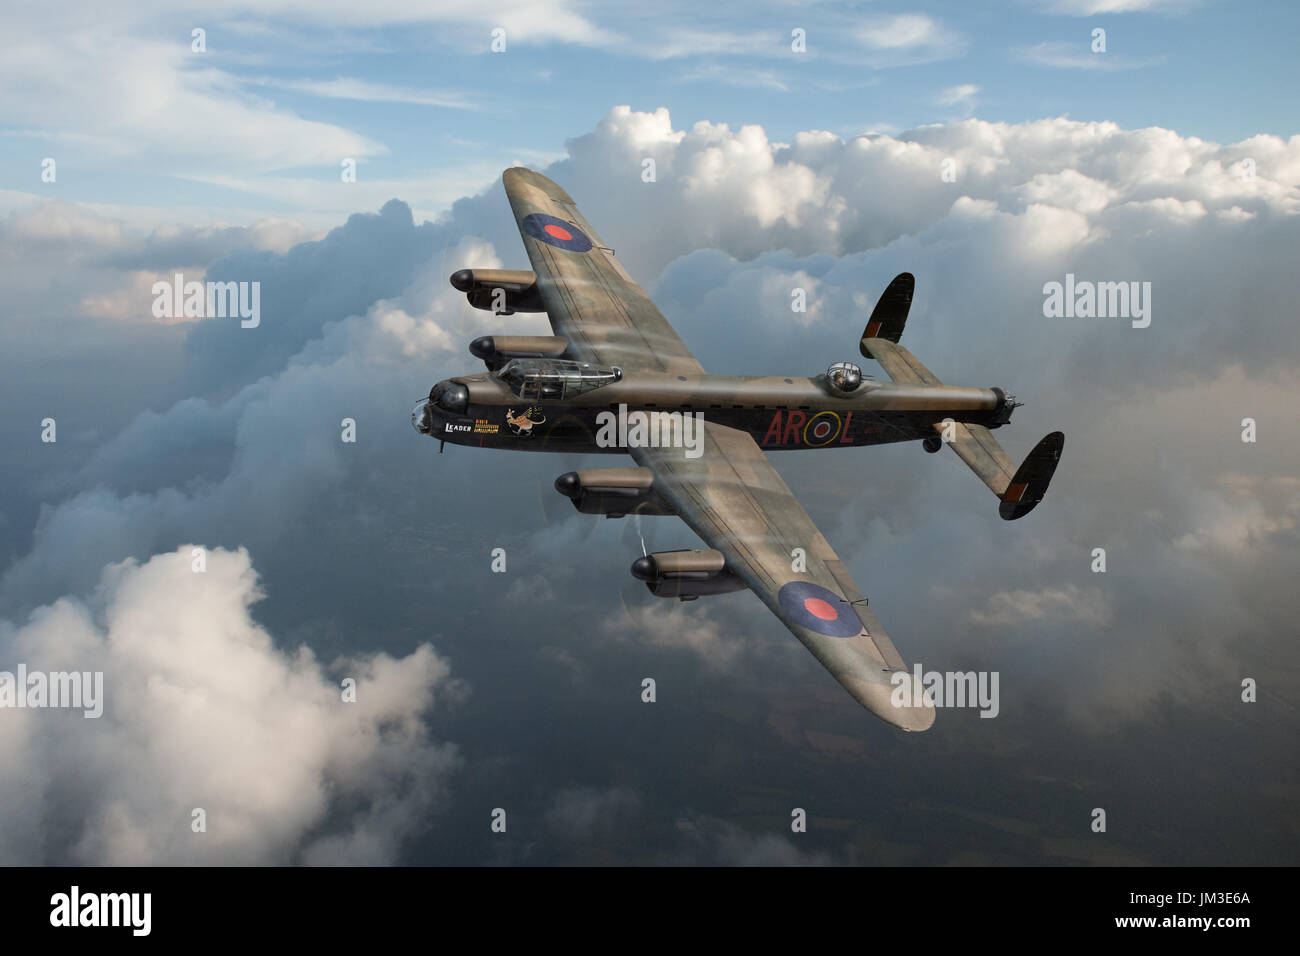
{"x":779,"y":413}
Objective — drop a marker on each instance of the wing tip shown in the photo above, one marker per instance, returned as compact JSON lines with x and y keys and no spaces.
{"x":522,"y":175}
{"x":880,"y":700}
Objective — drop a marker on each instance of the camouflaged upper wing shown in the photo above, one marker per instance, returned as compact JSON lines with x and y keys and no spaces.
{"x":590,"y":298}
{"x":737,"y":502}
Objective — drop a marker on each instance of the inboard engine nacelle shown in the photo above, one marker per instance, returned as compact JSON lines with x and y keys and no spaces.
{"x":503,"y":291}
{"x":686,"y":574}
{"x":496,"y":350}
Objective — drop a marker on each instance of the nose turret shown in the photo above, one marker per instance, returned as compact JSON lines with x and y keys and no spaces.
{"x":450,"y":397}
{"x":446,"y":396}
{"x":422,"y":418}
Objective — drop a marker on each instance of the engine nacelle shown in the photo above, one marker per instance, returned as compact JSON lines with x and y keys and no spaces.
{"x":613,"y":492}
{"x":496,"y":350}
{"x":503,"y":291}
{"x":686,"y":575}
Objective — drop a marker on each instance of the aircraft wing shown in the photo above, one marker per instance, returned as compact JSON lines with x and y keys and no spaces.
{"x":590,"y":298}
{"x":738,"y":503}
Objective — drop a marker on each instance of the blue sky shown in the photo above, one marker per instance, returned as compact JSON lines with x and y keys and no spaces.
{"x":252,"y":127}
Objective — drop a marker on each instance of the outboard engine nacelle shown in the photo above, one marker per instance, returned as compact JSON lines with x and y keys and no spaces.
{"x":503,"y":291}
{"x":613,"y":492}
{"x":686,"y":575}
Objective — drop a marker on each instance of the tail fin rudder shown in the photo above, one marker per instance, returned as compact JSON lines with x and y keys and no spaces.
{"x":884,"y":329}
{"x":1029,"y":484}
{"x":1018,"y":489}
{"x":890,"y":314}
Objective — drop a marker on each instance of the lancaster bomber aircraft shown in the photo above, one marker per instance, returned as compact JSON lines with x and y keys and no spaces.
{"x":615,"y":377}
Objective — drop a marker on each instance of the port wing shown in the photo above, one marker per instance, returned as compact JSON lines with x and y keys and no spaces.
{"x":737,"y":502}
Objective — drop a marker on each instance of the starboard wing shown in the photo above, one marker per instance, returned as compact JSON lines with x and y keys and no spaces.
{"x":589,"y":296}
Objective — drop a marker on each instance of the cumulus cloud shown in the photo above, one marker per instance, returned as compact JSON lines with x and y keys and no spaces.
{"x":1245,"y":512}
{"x":369,"y":259}
{"x":360,"y":322}
{"x":62,"y":262}
{"x":235,"y":469}
{"x":1031,"y":202}
{"x":737,"y":191}
{"x":202,"y":709}
{"x":715,"y":644}
{"x":59,"y":223}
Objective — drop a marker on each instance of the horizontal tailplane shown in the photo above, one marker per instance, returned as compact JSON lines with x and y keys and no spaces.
{"x":1019,"y":489}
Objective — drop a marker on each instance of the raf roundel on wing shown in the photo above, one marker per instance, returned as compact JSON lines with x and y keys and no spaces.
{"x":555,"y":232}
{"x":819,"y":609}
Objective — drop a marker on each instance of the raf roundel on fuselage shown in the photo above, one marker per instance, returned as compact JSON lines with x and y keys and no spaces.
{"x":555,"y":232}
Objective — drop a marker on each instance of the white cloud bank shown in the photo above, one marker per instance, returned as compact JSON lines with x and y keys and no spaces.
{"x":837,"y":216}
{"x":1068,"y":182}
{"x":203,"y":710}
